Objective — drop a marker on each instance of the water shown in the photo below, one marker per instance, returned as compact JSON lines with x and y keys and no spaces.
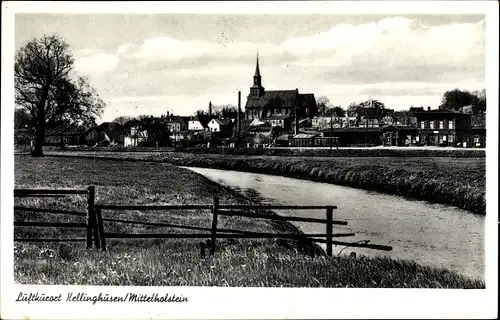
{"x":430,"y":234}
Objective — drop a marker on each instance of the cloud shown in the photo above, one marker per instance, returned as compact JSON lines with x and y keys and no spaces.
{"x":394,"y":44}
{"x":393,"y":58}
{"x":95,"y":62}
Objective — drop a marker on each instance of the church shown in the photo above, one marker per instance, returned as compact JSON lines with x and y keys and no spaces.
{"x":277,"y":105}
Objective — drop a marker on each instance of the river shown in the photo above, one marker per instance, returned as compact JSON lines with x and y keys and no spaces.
{"x":431,"y":234}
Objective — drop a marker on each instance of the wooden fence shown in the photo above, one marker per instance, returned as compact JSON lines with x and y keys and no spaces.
{"x":89,"y":224}
{"x":96,"y":234}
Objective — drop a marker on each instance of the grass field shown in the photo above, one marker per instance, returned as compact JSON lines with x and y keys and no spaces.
{"x":177,"y":262}
{"x":459,"y":182}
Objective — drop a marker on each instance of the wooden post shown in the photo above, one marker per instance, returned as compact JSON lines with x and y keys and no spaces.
{"x":214,"y":224}
{"x":203,"y":246}
{"x":95,"y":228}
{"x":329,"y":231}
{"x":101,"y":229}
{"x":90,"y":215}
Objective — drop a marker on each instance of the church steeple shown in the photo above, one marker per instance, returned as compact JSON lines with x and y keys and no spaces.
{"x":257,"y":90}
{"x":257,"y":70}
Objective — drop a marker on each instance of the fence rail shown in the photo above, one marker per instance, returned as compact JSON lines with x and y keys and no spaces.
{"x":56,"y":211}
{"x":88,"y":225}
{"x":283,"y":218}
{"x":96,"y":235}
{"x":49,"y":191}
{"x":49,"y":224}
{"x":50,"y":239}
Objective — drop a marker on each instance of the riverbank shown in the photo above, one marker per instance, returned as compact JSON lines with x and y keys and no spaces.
{"x":459,"y":182}
{"x":379,"y":151}
{"x":177,"y":261}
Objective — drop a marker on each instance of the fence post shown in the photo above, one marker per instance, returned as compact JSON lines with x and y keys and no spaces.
{"x":329,"y":231}
{"x":100,"y":225}
{"x":97,"y":234}
{"x":214,"y":224}
{"x":90,"y":215}
{"x":203,"y":246}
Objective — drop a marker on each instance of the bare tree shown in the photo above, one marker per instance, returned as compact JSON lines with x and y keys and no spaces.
{"x":122,"y":119}
{"x":43,"y":87}
{"x":323,"y":104}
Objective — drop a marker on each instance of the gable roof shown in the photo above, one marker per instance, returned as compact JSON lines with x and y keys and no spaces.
{"x":307,"y":99}
{"x":203,"y":119}
{"x":186,"y":119}
{"x":285,"y":98}
{"x":223,"y":122}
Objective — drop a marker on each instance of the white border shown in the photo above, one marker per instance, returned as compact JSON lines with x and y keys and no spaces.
{"x":268,"y":303}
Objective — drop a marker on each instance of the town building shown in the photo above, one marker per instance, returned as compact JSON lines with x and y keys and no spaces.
{"x":442,"y":126}
{"x":266,"y":105}
{"x":399,"y":136}
{"x":134,"y":135}
{"x":195,"y":125}
{"x":220,"y":125}
{"x":107,"y":133}
{"x":178,"y":128}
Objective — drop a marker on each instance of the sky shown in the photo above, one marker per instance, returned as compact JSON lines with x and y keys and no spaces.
{"x":154,"y":63}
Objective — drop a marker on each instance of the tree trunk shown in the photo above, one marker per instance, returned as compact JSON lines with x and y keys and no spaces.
{"x":39,"y":139}
{"x":40,"y":128}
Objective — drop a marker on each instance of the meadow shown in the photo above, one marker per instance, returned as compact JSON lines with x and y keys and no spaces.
{"x":257,"y":263}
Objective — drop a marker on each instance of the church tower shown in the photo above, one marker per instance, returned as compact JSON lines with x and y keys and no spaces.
{"x":257,"y":90}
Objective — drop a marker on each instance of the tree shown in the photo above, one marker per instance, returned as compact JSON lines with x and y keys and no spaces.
{"x":372,"y":109}
{"x":123,"y":119}
{"x":405,"y":117}
{"x":43,"y":87}
{"x":225,"y":111}
{"x":336,"y":112}
{"x":22,"y":119}
{"x":323,"y":104}
{"x":456,"y":99}
{"x":479,"y":102}
{"x":352,"y":109}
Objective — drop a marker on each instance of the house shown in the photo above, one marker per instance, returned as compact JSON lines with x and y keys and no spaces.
{"x":107,"y":133}
{"x":442,"y":126}
{"x":279,"y":121}
{"x":255,"y":122}
{"x":475,"y":137}
{"x":178,"y":128}
{"x":223,"y":126}
{"x":195,"y":125}
{"x":265,"y":104}
{"x":397,"y":135}
{"x":135,"y":136}
{"x":177,"y":124}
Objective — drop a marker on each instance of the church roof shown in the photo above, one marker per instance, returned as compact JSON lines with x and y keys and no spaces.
{"x":307,"y":99}
{"x":286,"y":97}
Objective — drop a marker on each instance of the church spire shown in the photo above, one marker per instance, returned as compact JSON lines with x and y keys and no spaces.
{"x":257,"y":90}
{"x":257,"y":70}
